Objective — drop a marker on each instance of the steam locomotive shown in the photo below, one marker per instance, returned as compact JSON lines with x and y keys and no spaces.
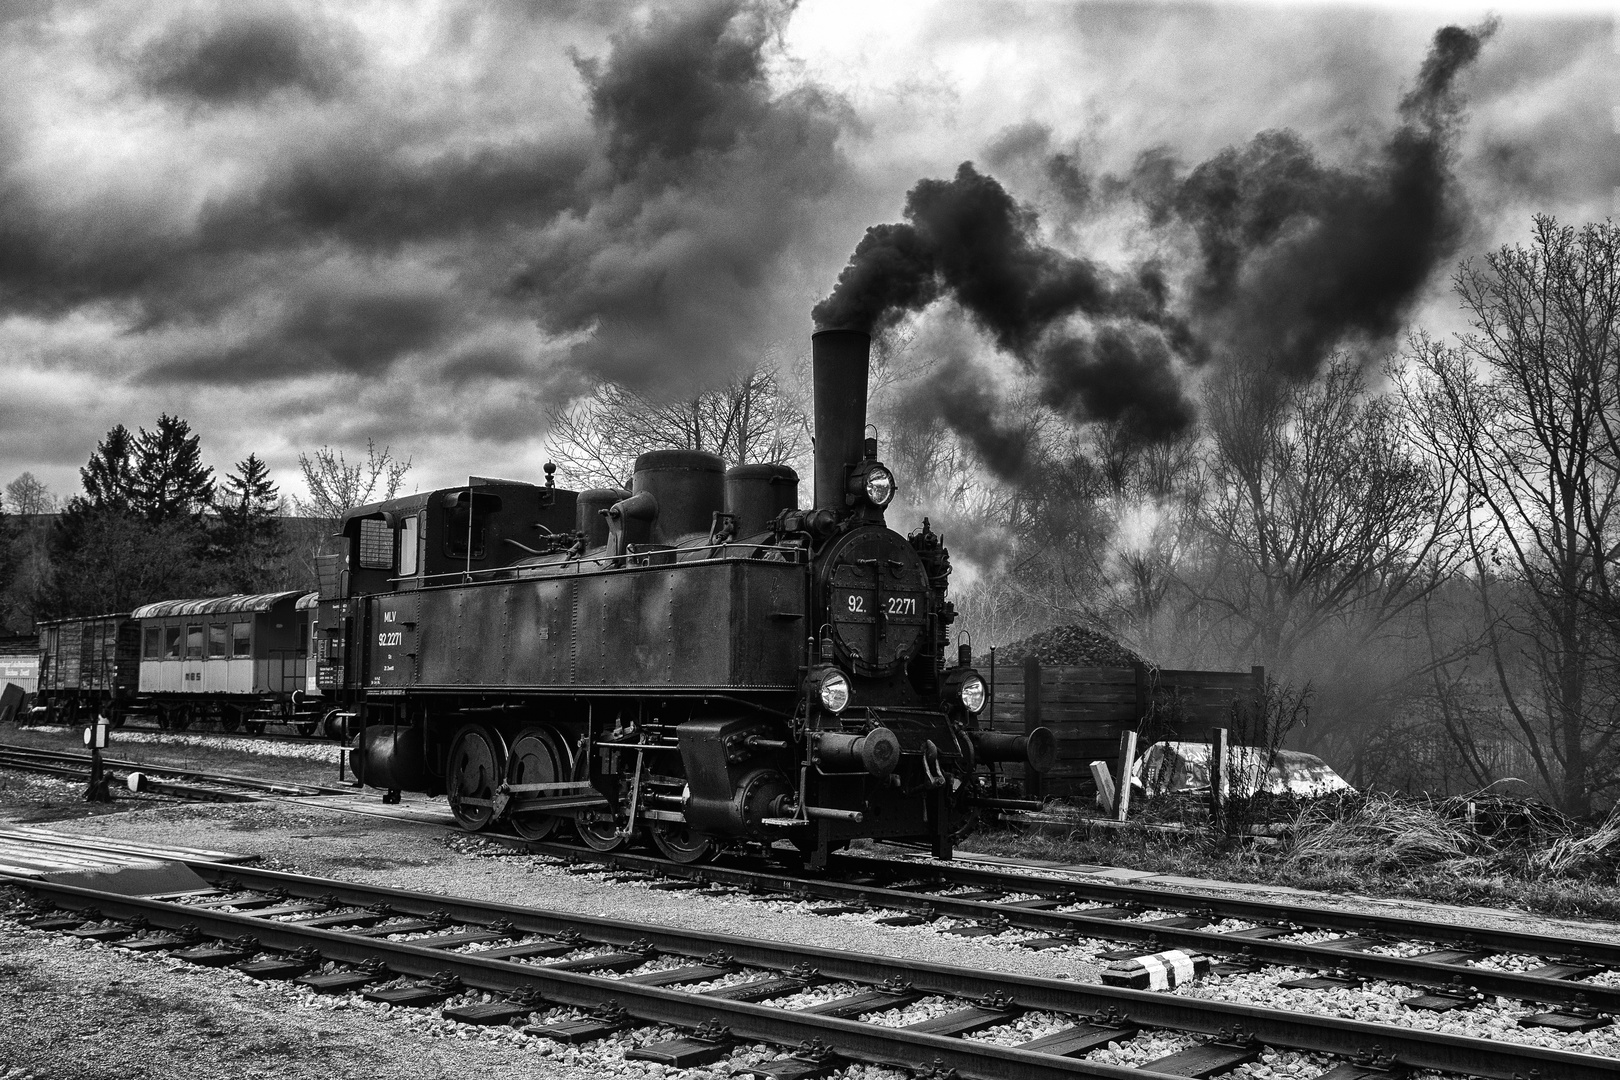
{"x":698,"y":661}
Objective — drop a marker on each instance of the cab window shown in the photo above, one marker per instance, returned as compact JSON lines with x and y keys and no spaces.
{"x":409,"y":530}
{"x":242,"y":639}
{"x":194,"y":641}
{"x":376,"y":545}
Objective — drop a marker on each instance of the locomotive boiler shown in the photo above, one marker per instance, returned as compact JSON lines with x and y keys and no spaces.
{"x":698,"y":661}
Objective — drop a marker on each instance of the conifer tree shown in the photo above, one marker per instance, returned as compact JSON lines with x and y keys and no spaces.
{"x":109,"y":476}
{"x":171,"y":481}
{"x":247,"y":533}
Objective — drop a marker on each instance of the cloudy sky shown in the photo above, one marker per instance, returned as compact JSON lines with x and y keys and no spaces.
{"x":304,"y":223}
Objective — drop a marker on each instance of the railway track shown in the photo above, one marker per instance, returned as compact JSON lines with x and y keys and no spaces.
{"x":157,"y":779}
{"x":421,"y":949}
{"x":1445,"y":970}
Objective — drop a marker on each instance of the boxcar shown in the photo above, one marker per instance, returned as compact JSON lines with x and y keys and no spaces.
{"x":88,"y":666}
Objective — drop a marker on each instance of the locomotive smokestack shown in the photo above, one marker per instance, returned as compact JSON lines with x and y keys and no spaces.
{"x":840,"y":360}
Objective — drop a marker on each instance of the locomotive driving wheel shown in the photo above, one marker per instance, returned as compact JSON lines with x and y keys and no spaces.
{"x":471,"y":774}
{"x":537,"y":757}
{"x":680,"y":844}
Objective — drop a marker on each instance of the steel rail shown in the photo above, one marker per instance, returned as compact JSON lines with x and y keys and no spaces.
{"x":12,"y":751}
{"x":1077,"y":923}
{"x":178,"y":791}
{"x":652,"y":1005}
{"x":1518,"y":941}
{"x":1273,"y":1027}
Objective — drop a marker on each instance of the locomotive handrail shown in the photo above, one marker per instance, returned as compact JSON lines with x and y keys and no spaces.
{"x":578,"y":567}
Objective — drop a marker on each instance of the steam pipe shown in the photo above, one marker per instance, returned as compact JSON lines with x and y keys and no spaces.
{"x":840,"y":362}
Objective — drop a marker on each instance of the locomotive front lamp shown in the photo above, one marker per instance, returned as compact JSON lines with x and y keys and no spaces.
{"x":830,"y":687}
{"x":964,"y":687}
{"x":879,"y":486}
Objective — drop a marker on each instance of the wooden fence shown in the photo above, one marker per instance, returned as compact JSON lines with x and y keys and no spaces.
{"x":1088,"y":708}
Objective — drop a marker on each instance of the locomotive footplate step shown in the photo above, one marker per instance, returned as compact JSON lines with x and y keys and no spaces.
{"x":963,"y":1021}
{"x":1567,"y":1020}
{"x":671,"y":976}
{"x":704,"y":1046}
{"x":1080,"y":1039}
{"x":759,"y":989}
{"x":417,"y":994}
{"x":847,"y":1008}
{"x":579,"y":1031}
{"x":1206,"y":1060}
{"x":527,"y":949}
{"x":615,"y":962}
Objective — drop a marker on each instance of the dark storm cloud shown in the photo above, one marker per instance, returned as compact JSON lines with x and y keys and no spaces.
{"x":673,"y":270}
{"x":248,"y":57}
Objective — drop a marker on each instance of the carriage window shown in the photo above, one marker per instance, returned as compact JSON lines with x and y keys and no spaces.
{"x":376,"y":545}
{"x":171,"y":643}
{"x":242,"y":639}
{"x":216,"y":639}
{"x":194,"y":642}
{"x":152,"y":646}
{"x":409,"y":530}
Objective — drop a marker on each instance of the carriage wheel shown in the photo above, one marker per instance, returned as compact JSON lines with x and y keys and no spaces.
{"x":230,"y":718}
{"x":471,"y":774}
{"x":305,"y":728}
{"x":535,"y":759}
{"x":680,"y":844}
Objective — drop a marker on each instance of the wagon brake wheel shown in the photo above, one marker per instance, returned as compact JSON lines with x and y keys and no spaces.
{"x":473,"y":770}
{"x":536,"y":759}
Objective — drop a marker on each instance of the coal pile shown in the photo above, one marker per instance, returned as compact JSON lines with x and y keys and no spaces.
{"x":1066,"y":646}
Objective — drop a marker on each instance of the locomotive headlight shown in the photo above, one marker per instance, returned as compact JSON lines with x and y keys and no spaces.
{"x":830,"y":687}
{"x":834,"y":692}
{"x":879,"y":485}
{"x":964,"y":687}
{"x":973,"y":694}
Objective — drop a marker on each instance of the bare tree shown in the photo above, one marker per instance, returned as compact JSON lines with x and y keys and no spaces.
{"x":27,"y":496}
{"x":1523,"y":409}
{"x":336,"y":487}
{"x":596,"y":439}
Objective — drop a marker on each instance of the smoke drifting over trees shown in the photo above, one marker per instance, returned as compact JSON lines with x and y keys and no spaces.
{"x":1295,"y":260}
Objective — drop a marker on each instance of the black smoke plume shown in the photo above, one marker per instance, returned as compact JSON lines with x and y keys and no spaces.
{"x":969,"y":239}
{"x":1299,"y":258}
{"x":1296,"y":259}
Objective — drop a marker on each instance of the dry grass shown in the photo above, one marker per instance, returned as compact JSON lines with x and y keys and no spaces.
{"x":1483,"y":850}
